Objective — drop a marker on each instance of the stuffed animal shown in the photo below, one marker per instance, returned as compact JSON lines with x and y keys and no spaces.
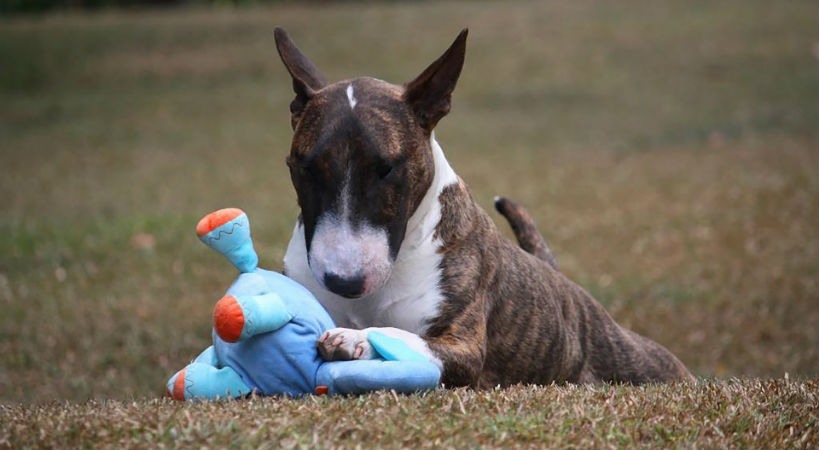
{"x":265,"y":333}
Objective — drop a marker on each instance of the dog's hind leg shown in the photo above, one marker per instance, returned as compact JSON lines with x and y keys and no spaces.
{"x":526,"y":232}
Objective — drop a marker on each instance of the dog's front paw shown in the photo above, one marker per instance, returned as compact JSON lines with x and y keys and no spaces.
{"x":344,"y":344}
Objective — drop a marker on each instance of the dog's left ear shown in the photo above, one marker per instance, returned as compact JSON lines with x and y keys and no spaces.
{"x":430,"y":94}
{"x":306,"y":77}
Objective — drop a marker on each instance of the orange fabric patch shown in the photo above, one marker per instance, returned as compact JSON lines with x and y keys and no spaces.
{"x":228,"y":318}
{"x":216,"y":219}
{"x":321,"y":390}
{"x":179,"y":387}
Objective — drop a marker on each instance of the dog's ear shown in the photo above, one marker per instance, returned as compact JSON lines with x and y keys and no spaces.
{"x":306,"y":77}
{"x":430,"y":94}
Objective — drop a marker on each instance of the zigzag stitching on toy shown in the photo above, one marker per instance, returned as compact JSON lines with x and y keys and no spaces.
{"x":224,"y":232}
{"x":189,"y":384}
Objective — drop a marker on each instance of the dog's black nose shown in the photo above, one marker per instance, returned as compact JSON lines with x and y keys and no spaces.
{"x":350,"y":287}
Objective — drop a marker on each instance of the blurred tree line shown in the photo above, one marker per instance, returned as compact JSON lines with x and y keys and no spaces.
{"x":29,"y":6}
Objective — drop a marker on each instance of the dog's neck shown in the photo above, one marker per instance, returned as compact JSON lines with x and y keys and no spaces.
{"x":423,"y":222}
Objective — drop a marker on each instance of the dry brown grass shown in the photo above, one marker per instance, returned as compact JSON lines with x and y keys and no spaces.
{"x":732,"y":413}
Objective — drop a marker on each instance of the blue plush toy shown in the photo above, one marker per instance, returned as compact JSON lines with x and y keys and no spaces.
{"x":265,"y":333}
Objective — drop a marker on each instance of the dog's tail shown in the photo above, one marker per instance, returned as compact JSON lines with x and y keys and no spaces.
{"x":526,"y":232}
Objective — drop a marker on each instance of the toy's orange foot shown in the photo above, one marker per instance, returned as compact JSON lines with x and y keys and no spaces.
{"x":228,"y":232}
{"x":216,"y":219}
{"x":228,"y":319}
{"x":176,"y":388}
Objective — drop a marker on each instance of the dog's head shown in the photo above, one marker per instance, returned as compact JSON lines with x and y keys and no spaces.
{"x":361,"y":163}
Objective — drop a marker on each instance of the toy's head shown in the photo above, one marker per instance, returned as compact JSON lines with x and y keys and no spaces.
{"x":228,"y":232}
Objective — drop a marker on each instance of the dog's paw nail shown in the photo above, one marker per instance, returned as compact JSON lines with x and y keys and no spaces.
{"x":342,"y":344}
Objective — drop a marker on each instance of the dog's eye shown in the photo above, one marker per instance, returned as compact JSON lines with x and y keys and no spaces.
{"x":383,"y":171}
{"x":298,"y":167}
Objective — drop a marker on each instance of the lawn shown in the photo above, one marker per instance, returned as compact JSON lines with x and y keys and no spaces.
{"x":668,"y":150}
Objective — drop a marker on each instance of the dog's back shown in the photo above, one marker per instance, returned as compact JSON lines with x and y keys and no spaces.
{"x":538,"y":325}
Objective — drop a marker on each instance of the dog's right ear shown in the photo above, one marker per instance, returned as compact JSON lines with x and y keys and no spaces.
{"x":306,"y":77}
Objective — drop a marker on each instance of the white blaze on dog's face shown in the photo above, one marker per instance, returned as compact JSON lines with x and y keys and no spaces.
{"x":348,"y":258}
{"x":361,"y":162}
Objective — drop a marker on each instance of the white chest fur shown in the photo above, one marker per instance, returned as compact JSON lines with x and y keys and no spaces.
{"x":412,"y":295}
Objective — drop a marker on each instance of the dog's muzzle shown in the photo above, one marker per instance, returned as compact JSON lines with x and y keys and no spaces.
{"x":349,"y":262}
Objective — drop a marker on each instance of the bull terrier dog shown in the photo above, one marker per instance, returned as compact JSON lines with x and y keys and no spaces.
{"x":390,"y":239}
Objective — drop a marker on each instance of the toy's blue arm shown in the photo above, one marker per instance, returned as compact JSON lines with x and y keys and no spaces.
{"x":236,"y":318}
{"x":249,"y":308}
{"x":402,"y":370}
{"x":393,"y":349}
{"x":362,"y":376}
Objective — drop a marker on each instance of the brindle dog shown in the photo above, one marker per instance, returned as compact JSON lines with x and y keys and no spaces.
{"x":390,"y":237}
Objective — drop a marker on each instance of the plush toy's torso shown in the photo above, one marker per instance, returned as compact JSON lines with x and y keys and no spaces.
{"x":285,"y":360}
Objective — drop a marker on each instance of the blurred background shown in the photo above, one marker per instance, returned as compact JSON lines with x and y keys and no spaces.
{"x":668,"y":151}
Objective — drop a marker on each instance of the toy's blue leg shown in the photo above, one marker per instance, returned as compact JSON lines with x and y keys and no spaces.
{"x":239,"y":317}
{"x":200,"y":381}
{"x":361,"y":376}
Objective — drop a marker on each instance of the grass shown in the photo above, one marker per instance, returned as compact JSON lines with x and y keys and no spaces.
{"x":732,"y":413}
{"x":668,"y":151}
